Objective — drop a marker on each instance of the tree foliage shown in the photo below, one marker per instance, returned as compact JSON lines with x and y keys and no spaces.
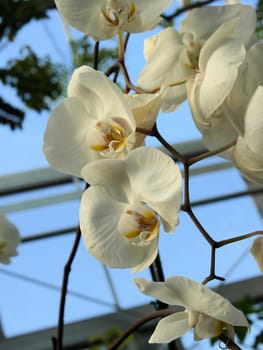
{"x":37,"y":81}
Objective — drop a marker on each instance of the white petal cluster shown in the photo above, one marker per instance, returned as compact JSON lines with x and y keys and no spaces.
{"x":215,"y":63}
{"x":206,"y":37}
{"x":121,"y":212}
{"x":9,"y":240}
{"x":207,"y":312}
{"x":95,"y":121}
{"x":102,"y":19}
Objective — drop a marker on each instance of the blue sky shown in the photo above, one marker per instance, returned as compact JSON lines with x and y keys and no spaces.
{"x":184,"y":252}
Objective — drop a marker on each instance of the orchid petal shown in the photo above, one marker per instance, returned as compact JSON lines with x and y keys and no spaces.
{"x":156,"y":180}
{"x":110,"y":173}
{"x":103,"y":19}
{"x":205,"y":21}
{"x":247,"y":155}
{"x":145,"y":108}
{"x":182,"y":291}
{"x":195,"y":296}
{"x":207,"y":327}
{"x":162,"y":69}
{"x":9,"y":240}
{"x":99,"y":94}
{"x":148,"y":15}
{"x":220,"y":75}
{"x":257,"y":252}
{"x":157,"y":290}
{"x":87,"y":17}
{"x":66,"y":144}
{"x":170,"y":328}
{"x":254,"y":123}
{"x":99,"y":217}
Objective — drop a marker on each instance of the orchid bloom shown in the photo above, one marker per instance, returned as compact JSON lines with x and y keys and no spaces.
{"x":247,"y":153}
{"x":103,"y":19}
{"x":228,"y":121}
{"x":207,"y":312}
{"x":9,"y":239}
{"x":190,"y":49}
{"x":120,"y":214}
{"x":95,"y":122}
{"x":257,"y":251}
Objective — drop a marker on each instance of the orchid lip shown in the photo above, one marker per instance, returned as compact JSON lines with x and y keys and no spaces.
{"x":140,"y":228}
{"x":118,"y":12}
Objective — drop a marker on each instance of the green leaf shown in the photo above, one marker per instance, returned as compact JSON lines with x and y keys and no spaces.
{"x":36,"y":80}
{"x":14,"y":14}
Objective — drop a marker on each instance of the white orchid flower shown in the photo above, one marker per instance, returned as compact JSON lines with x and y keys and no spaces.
{"x":257,"y":251}
{"x":102,"y":19}
{"x":219,"y":61}
{"x":120,"y":213}
{"x":197,"y":45}
{"x":9,"y":240}
{"x":163,"y":70}
{"x":226,"y":123}
{"x":93,"y":122}
{"x":207,"y":312}
{"x":247,"y":153}
{"x":204,"y":22}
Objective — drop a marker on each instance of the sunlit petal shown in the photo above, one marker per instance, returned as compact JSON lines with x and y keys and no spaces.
{"x":247,"y":155}
{"x":203,"y":22}
{"x":220,"y":75}
{"x":145,"y":108}
{"x":151,"y":174}
{"x":105,"y":18}
{"x":207,"y":327}
{"x":9,"y":240}
{"x":170,"y":328}
{"x":197,"y":297}
{"x":99,"y":217}
{"x":110,"y":173}
{"x":66,"y":145}
{"x":257,"y":252}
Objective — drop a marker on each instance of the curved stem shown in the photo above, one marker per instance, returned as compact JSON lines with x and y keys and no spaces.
{"x":60,"y":328}
{"x":121,"y":46}
{"x":145,"y":131}
{"x":166,"y":145}
{"x":228,"y":342}
{"x":208,"y":154}
{"x":138,"y":324}
{"x":237,"y":238}
{"x":197,"y":223}
{"x":96,"y":55}
{"x":127,"y":79}
{"x":171,"y":84}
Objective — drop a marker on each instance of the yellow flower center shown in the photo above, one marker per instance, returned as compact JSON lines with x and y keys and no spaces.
{"x":140,"y":225}
{"x":110,"y":136}
{"x":118,"y":12}
{"x":113,"y":136}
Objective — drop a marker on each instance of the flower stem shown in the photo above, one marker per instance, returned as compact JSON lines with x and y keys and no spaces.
{"x":172,"y":84}
{"x":238,"y":238}
{"x":165,"y":144}
{"x":58,"y":342}
{"x":208,"y":154}
{"x":121,"y":46}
